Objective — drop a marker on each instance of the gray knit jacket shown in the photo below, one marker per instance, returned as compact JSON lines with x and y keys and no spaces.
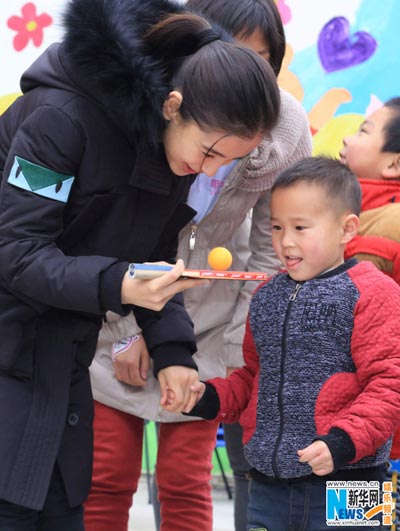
{"x":322,"y":361}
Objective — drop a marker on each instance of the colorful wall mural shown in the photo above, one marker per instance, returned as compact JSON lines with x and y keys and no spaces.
{"x":341,"y":60}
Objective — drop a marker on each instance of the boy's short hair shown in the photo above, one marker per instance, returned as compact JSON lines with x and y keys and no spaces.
{"x":392,"y":129}
{"x":342,"y":188}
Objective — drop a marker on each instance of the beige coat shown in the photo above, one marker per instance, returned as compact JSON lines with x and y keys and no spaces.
{"x":239,"y":221}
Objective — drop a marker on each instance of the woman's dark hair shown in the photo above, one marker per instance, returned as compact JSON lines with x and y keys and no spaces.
{"x":243,"y":17}
{"x":392,"y":129}
{"x":225,"y":87}
{"x":342,"y":188}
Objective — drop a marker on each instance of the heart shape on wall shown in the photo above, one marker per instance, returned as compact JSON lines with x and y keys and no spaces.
{"x":338,"y":49}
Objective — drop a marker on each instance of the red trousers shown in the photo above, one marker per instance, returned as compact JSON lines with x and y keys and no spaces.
{"x":183,"y":472}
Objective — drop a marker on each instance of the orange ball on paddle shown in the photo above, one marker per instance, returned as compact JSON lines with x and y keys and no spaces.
{"x":220,"y":259}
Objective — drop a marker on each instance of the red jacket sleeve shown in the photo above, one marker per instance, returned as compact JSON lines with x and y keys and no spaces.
{"x":236,"y":392}
{"x":373,"y":416}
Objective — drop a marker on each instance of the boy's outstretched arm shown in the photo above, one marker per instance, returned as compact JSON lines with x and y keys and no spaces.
{"x":207,"y":403}
{"x":197,"y":398}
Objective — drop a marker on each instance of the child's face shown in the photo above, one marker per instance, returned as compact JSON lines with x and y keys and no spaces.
{"x":362,"y":152}
{"x":256,"y":43}
{"x":307,"y":233}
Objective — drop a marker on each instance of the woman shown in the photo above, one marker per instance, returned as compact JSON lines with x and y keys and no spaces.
{"x":96,"y":158}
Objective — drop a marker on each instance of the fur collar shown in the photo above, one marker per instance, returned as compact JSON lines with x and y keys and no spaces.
{"x":102,"y":45}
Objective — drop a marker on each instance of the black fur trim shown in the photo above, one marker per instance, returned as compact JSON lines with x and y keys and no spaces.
{"x":102,"y":42}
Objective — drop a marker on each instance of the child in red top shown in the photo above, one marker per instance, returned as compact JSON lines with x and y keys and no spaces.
{"x":373,"y":154}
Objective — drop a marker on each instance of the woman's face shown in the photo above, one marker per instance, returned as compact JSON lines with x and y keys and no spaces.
{"x":191,"y":150}
{"x":187,"y":147}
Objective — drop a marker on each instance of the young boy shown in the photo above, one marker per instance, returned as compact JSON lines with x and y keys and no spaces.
{"x":373,"y":154}
{"x":318,"y":396}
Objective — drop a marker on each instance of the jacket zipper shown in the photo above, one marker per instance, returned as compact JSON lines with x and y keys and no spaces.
{"x":292,"y":298}
{"x":192,"y":237}
{"x":295,"y":292}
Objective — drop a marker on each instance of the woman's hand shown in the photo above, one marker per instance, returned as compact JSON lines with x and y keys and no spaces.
{"x":131,"y":365}
{"x":154,"y":294}
{"x":176,"y":388}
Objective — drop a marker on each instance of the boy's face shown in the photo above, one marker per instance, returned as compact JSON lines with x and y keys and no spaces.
{"x":362,"y":152}
{"x":307,"y":234}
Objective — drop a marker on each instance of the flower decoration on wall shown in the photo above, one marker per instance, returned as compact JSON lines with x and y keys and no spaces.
{"x":29,"y":27}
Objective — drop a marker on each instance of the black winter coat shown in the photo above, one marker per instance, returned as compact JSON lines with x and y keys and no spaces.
{"x":82,"y":195}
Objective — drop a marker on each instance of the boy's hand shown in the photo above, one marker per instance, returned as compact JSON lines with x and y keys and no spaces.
{"x":131,"y":365}
{"x":175,"y":384}
{"x":198,"y":388}
{"x":318,"y":456}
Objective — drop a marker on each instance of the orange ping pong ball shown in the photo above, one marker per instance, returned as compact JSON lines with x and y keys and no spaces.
{"x":220,"y":259}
